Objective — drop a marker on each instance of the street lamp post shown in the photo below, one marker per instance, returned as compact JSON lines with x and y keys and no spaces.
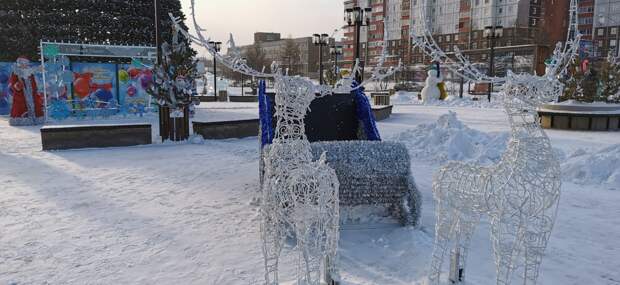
{"x":217,"y":47}
{"x":492,"y":33}
{"x":244,"y":60}
{"x":358,"y":17}
{"x":336,"y":51}
{"x":321,"y":41}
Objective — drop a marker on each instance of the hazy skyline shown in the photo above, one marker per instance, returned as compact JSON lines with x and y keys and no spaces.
{"x":242,"y":18}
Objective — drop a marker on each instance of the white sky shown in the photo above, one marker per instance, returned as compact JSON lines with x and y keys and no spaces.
{"x":242,"y":18}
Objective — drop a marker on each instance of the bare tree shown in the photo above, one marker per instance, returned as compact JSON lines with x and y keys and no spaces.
{"x":290,"y":56}
{"x":256,"y":57}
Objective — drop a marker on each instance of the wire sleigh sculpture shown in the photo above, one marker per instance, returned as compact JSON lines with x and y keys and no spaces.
{"x":520,"y":194}
{"x":300,"y":196}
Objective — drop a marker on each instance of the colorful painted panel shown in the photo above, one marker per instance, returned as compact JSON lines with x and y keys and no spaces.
{"x":133,"y":82}
{"x":96,"y":82}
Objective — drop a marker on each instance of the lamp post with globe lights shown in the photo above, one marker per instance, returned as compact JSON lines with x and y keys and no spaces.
{"x":358,"y":17}
{"x":336,"y":51}
{"x":217,"y":46}
{"x":320,"y":40}
{"x":492,"y":33}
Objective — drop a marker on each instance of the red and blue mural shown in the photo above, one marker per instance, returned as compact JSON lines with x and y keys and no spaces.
{"x":81,"y":89}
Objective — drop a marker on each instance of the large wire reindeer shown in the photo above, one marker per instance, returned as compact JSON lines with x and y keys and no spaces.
{"x":521,"y":192}
{"x":299,"y":195}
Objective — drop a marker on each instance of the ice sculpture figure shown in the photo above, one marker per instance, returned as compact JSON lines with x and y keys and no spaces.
{"x":520,"y":194}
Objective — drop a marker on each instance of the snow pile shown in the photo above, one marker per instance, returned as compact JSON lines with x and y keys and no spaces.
{"x":411,"y":98}
{"x":449,"y":139}
{"x":600,"y":167}
{"x":403,"y":98}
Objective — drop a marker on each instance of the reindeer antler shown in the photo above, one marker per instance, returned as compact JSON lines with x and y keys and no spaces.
{"x":236,"y":63}
{"x":562,"y":56}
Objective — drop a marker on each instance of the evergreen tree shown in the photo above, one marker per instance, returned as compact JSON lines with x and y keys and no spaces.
{"x":610,"y":78}
{"x":23,"y":23}
{"x":580,"y":85}
{"x":174,"y":75}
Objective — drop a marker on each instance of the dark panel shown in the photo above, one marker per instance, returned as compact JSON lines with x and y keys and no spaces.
{"x":331,"y":118}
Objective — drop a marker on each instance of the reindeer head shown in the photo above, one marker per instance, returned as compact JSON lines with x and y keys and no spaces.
{"x":528,"y":92}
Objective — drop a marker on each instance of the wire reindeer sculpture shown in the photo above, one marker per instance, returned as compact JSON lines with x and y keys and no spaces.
{"x":299,"y":195}
{"x":520,"y":193}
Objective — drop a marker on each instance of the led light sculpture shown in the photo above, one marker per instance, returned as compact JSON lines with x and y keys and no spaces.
{"x":299,"y":195}
{"x":521,"y":192}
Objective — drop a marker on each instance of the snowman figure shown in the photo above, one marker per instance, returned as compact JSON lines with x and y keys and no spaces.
{"x":431,"y":91}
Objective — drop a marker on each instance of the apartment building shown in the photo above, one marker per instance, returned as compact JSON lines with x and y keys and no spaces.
{"x":606,"y":28}
{"x":389,"y":18}
{"x":272,"y":45}
{"x":530,"y":30}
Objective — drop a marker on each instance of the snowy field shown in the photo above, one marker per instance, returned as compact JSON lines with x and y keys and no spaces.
{"x":187,"y":213}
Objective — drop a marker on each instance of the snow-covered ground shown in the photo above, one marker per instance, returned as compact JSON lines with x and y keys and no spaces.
{"x":187,"y":213}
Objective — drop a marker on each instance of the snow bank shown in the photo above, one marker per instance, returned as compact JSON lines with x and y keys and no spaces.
{"x":403,"y":98}
{"x":411,"y":98}
{"x":600,"y":167}
{"x":450,"y":139}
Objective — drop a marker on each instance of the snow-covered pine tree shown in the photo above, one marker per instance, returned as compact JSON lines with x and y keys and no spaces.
{"x":572,"y":81}
{"x":580,"y":85}
{"x":610,"y":78}
{"x":174,"y":76}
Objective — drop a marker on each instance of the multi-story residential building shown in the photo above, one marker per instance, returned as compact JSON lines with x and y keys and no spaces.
{"x":530,"y":29}
{"x":389,"y":18}
{"x":272,"y":45}
{"x":606,"y":28}
{"x":462,"y":22}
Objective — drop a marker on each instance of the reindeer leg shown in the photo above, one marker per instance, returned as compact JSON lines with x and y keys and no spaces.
{"x":311,"y":253}
{"x":466,"y":226}
{"x":536,"y":239}
{"x":507,"y":236}
{"x":272,"y":245}
{"x":333,"y":236}
{"x":444,"y":228}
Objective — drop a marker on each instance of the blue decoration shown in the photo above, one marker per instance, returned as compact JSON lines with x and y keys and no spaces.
{"x":364,"y":114}
{"x":64,"y":60}
{"x":5,"y":108}
{"x":91,"y":107}
{"x":140,"y":109}
{"x":103,"y":95}
{"x":264,"y":107}
{"x":124,"y":110}
{"x":4,"y":77}
{"x":59,"y":110}
{"x":67,"y":76}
